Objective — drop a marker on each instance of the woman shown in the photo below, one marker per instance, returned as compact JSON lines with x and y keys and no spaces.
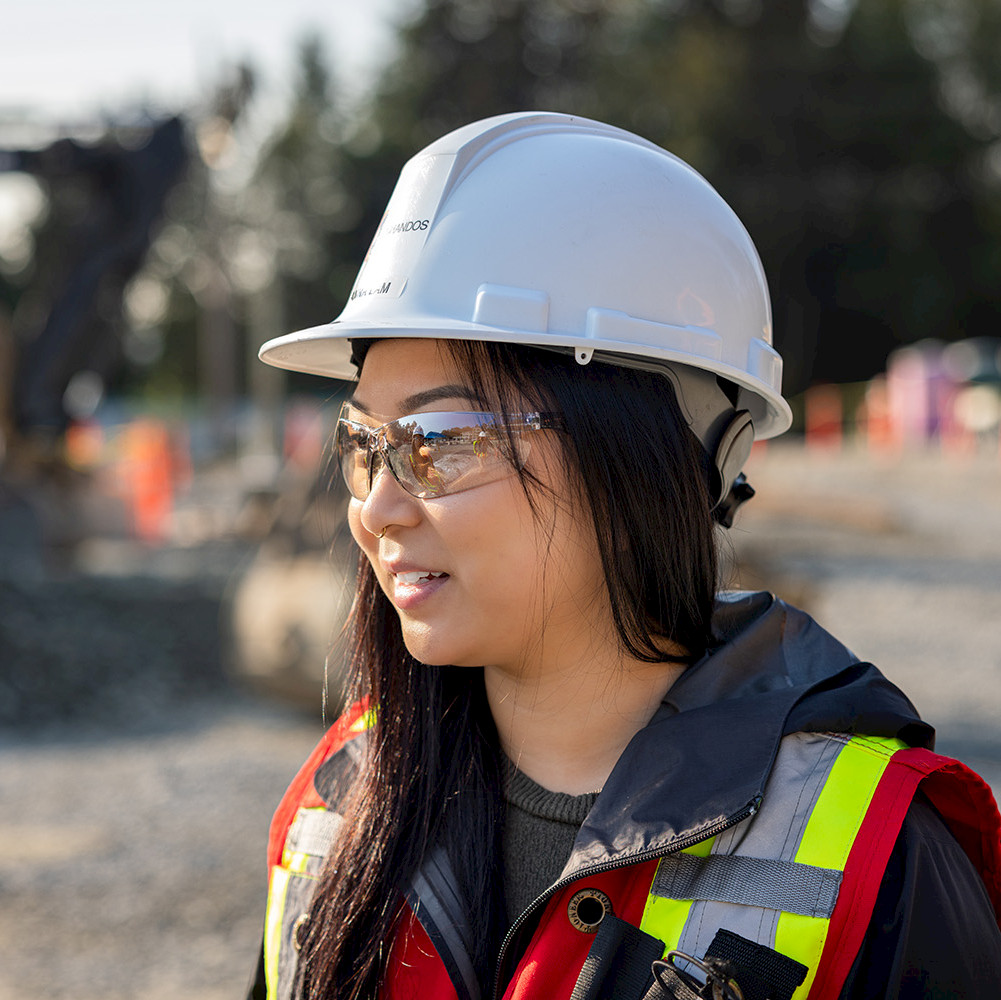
{"x":569,"y":758}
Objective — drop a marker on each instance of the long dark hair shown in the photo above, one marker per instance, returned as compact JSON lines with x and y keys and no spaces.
{"x":430,"y":774}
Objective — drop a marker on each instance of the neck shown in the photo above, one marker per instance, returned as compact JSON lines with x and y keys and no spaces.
{"x":565,"y":718}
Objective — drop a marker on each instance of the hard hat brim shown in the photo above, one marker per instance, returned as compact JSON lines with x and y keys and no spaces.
{"x":326,"y":351}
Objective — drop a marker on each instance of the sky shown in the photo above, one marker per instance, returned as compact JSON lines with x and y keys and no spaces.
{"x":63,"y":61}
{"x":67,"y":67}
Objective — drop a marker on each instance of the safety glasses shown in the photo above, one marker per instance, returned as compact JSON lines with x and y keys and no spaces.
{"x":435,"y":454}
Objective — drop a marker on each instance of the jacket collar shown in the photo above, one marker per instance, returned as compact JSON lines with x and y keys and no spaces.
{"x":704,"y":759}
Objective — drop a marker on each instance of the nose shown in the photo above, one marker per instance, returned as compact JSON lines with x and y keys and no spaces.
{"x":387,"y":503}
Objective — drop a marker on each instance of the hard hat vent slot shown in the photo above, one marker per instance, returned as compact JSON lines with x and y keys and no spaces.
{"x":512,"y":308}
{"x":620,"y":327}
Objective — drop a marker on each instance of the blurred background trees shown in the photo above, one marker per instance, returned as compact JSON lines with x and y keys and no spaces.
{"x":859,"y":140}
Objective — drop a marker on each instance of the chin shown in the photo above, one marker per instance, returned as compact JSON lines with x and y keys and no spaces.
{"x":422,"y":646}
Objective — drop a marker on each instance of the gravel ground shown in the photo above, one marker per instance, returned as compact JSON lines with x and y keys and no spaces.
{"x":137,"y":783}
{"x":133,"y":866}
{"x":901,"y":559}
{"x":133,"y":829}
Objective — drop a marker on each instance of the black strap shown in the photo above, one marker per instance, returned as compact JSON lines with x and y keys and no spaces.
{"x":618,"y":965}
{"x":764,"y":974}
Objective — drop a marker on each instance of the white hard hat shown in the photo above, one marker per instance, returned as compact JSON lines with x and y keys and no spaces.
{"x":565,"y":233}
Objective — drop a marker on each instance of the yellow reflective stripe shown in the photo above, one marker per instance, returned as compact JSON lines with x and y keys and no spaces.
{"x":273,"y":927}
{"x":827,"y":840}
{"x":297,"y":864}
{"x":843,"y":801}
{"x":363,"y":722}
{"x":802,"y":938}
{"x":665,"y":918}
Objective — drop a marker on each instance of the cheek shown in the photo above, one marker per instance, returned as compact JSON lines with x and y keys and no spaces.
{"x":573,"y":573}
{"x":358,"y":533}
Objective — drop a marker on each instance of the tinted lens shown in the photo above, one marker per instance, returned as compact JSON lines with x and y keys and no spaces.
{"x":354,"y":456}
{"x":433,"y":454}
{"x":429,"y":454}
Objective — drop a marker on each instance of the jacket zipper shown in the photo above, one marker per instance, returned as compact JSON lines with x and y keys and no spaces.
{"x":738,"y":817}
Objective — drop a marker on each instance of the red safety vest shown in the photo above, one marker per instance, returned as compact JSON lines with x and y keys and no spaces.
{"x":800,"y":875}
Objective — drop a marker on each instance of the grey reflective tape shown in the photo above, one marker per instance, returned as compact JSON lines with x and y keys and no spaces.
{"x":798,"y":776}
{"x":313,"y":832}
{"x":797,"y":779}
{"x":761,"y":882}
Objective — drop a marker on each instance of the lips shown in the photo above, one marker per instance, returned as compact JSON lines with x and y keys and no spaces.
{"x":417,"y":576}
{"x":411,"y":587}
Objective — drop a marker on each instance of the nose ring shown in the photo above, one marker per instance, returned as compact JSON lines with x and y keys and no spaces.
{"x":380,"y":534}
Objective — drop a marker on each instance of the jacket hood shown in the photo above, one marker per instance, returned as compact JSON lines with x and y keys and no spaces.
{"x":704,"y":759}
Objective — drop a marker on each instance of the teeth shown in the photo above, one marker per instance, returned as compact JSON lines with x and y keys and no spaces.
{"x":418,"y":575}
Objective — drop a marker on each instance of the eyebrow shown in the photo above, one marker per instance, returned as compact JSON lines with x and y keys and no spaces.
{"x":419,"y":399}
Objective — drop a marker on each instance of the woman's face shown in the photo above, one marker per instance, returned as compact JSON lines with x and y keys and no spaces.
{"x":509,"y":586}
